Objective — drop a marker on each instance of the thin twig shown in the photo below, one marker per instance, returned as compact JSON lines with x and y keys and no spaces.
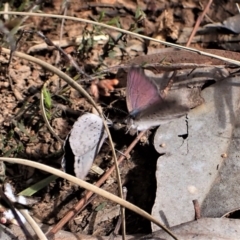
{"x":84,"y":200}
{"x":67,"y":56}
{"x":65,"y":7}
{"x":199,"y":20}
{"x":197,"y":209}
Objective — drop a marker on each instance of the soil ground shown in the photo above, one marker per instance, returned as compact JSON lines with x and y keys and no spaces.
{"x":24,"y":133}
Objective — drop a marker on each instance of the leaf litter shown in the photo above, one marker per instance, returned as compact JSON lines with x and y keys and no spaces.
{"x":26,"y":135}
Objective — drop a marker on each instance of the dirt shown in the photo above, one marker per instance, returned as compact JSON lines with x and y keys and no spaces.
{"x":24,"y":133}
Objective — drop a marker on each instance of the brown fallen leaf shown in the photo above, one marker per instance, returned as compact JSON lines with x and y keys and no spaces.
{"x":103,"y":87}
{"x":94,"y":89}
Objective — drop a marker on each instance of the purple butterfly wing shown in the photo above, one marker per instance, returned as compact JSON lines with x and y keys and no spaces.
{"x":140,"y":92}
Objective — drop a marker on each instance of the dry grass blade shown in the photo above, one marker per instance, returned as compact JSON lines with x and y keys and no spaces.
{"x":126,"y":32}
{"x":10,"y":205}
{"x":33,"y":224}
{"x":89,"y":187}
{"x":76,"y":86}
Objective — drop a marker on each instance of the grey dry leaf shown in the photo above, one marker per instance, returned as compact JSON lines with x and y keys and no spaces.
{"x":231,"y":23}
{"x":193,"y":151}
{"x":82,"y":144}
{"x":202,"y":229}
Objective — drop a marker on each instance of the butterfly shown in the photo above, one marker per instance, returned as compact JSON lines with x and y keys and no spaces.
{"x":146,"y":105}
